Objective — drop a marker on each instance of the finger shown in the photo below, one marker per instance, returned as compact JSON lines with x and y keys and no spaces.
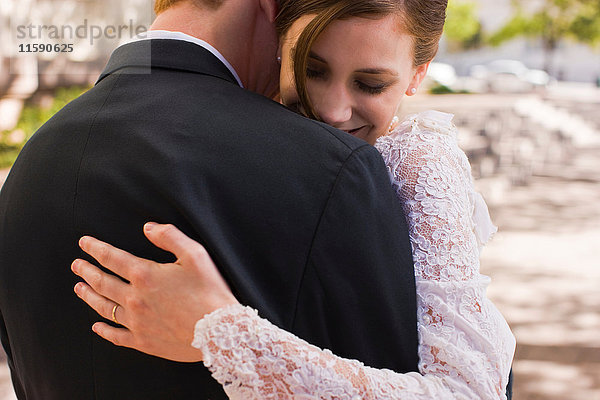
{"x":103,"y":306}
{"x":104,"y":284}
{"x":118,"y":261}
{"x":117,"y":336}
{"x":171,"y":239}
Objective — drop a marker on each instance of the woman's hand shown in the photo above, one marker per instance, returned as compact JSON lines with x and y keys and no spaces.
{"x":160,"y":306}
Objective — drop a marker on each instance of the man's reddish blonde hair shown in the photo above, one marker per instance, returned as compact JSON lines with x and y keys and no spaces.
{"x":162,"y":5}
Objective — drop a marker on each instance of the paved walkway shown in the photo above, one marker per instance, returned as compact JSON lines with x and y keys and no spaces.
{"x":545,"y":266}
{"x":6,"y":390}
{"x":3,"y":175}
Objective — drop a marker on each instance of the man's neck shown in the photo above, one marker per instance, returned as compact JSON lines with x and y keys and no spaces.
{"x":211,"y":26}
{"x":241,"y":31}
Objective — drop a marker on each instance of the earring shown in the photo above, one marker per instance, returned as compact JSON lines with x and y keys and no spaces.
{"x":393,"y":124}
{"x":413,"y":90}
{"x":279,"y":60}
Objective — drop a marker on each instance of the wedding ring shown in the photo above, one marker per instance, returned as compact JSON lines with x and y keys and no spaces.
{"x":114,"y":314}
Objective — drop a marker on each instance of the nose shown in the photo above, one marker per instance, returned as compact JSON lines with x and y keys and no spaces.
{"x":334,"y":106}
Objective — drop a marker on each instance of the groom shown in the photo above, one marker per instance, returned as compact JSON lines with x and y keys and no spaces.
{"x":300,"y":217}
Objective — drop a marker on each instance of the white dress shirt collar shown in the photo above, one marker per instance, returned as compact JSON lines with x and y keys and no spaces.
{"x":185,"y":37}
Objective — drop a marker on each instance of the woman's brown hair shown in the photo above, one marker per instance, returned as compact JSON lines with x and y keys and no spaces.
{"x":422,"y":19}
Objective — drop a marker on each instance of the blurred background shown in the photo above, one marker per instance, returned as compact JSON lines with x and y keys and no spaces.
{"x":523,"y":81}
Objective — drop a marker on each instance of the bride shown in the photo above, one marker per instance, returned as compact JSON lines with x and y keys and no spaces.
{"x":349,"y":64}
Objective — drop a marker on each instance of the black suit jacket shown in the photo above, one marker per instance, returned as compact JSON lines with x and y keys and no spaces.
{"x":300,"y":218}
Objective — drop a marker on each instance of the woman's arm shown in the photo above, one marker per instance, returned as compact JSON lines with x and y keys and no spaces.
{"x":249,"y":356}
{"x":465,"y":345}
{"x":461,"y":333}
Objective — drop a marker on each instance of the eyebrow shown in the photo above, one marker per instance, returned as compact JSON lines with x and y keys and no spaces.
{"x":316,"y":57}
{"x":378,"y":71}
{"x":370,"y":71}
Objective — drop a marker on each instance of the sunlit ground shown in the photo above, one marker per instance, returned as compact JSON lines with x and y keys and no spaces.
{"x":546,"y":280}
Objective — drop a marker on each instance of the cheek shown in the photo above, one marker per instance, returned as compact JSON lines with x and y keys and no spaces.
{"x":379,"y":110}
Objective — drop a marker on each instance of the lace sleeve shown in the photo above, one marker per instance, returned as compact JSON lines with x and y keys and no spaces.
{"x":465,"y":346}
{"x":253,"y":359}
{"x":461,"y":333}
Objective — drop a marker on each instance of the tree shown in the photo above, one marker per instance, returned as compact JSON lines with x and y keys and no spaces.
{"x":462,"y":29}
{"x":553,"y":21}
{"x":586,"y":26}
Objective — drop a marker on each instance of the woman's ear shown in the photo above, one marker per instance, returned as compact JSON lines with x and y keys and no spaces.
{"x":271,"y":8}
{"x":419,"y":75}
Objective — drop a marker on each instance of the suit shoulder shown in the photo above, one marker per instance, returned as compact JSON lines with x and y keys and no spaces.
{"x":274,"y":112}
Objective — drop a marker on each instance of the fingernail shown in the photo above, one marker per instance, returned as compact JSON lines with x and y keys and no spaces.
{"x":149,"y":225}
{"x":78,"y":288}
{"x":82,"y":241}
{"x":75,"y":266}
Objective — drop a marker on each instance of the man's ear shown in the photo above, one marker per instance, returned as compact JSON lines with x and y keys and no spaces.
{"x":270,"y":8}
{"x":419,"y":74}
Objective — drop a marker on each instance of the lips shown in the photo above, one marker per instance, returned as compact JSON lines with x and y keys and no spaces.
{"x":352,"y":131}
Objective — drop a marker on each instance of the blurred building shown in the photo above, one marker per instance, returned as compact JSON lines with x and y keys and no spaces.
{"x":46,"y":44}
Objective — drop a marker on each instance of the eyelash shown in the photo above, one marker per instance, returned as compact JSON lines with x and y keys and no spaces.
{"x":312,"y":74}
{"x":372,"y":90}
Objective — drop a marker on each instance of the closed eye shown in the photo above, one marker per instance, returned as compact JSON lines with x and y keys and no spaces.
{"x":374,"y":90}
{"x":314,"y":74}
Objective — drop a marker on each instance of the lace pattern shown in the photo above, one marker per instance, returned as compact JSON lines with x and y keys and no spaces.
{"x":465,"y":345}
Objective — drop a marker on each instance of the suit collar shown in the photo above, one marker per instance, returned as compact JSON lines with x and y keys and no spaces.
{"x":168,"y":54}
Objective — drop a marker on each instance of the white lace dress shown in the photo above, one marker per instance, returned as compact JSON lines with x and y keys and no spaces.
{"x":465,"y":345}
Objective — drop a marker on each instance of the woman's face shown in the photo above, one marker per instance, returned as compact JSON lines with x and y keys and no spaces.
{"x":358,"y":71}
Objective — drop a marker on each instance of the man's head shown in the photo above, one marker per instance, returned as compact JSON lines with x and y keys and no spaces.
{"x":242,"y":30}
{"x":162,"y":5}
